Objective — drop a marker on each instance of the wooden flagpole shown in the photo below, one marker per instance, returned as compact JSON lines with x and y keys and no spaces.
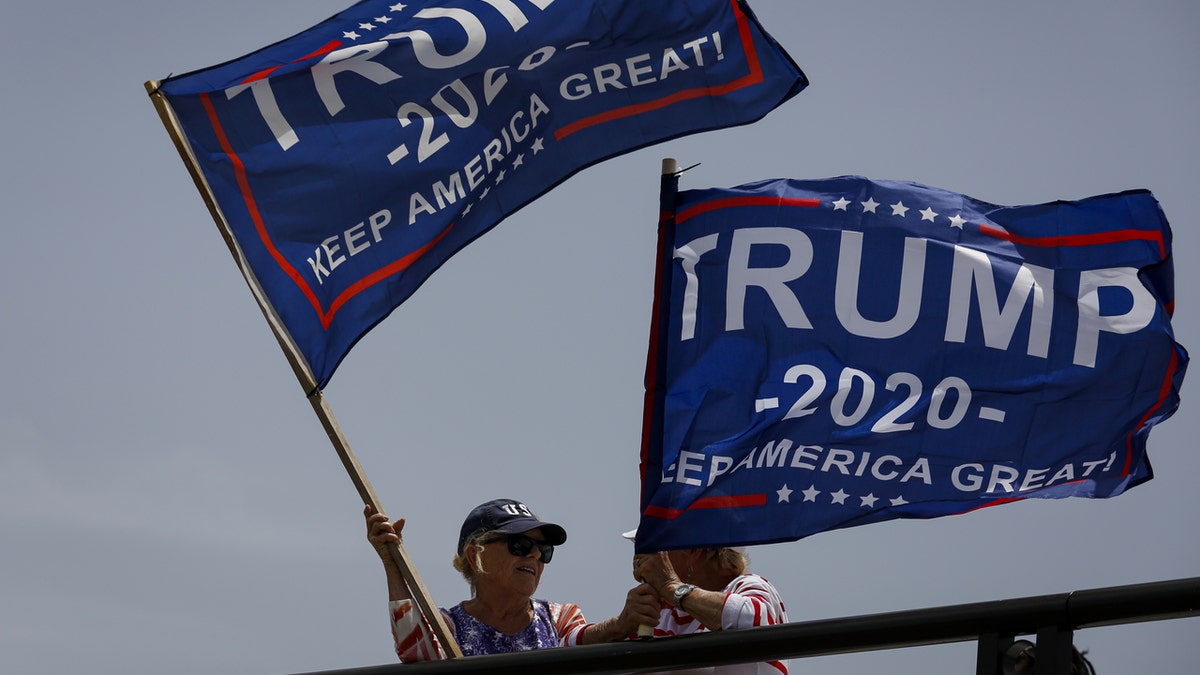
{"x":303,"y":373}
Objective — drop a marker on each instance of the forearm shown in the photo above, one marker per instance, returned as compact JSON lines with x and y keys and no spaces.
{"x":609,"y":630}
{"x":397,"y":588}
{"x":706,"y":606}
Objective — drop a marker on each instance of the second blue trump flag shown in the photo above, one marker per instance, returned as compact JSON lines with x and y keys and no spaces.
{"x":831,"y":353}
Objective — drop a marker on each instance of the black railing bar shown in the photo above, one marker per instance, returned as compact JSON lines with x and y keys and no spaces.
{"x":1155,"y":601}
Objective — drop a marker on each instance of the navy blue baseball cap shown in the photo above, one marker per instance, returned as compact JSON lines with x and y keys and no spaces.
{"x":507,"y":516}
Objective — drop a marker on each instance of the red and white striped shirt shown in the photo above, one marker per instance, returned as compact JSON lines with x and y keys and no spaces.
{"x":750,"y":600}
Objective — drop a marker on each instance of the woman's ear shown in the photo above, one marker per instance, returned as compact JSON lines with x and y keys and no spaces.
{"x":471,"y":556}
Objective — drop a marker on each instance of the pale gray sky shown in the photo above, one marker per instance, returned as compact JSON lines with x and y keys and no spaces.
{"x":169,"y":502}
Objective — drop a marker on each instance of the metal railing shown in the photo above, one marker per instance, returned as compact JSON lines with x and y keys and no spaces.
{"x":994,"y":624}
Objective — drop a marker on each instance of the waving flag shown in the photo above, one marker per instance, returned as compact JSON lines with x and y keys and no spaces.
{"x":838,"y":352}
{"x":347,"y":163}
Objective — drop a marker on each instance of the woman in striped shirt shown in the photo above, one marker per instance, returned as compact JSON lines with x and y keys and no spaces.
{"x":709,"y":589}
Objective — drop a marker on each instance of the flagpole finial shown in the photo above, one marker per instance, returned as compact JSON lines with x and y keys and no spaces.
{"x":669,"y":166}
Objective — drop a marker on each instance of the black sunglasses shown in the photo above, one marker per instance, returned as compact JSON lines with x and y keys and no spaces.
{"x":520,"y":546}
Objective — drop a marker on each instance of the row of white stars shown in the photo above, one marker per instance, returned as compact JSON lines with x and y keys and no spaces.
{"x":367,"y":26}
{"x":899,"y":209}
{"x":519,"y":162}
{"x":839,"y":497}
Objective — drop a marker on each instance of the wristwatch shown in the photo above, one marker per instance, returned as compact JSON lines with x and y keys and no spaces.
{"x":681,"y":592}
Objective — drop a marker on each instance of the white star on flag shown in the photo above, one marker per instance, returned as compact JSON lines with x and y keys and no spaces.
{"x":398,"y":7}
{"x":958,"y":221}
{"x":810,"y":495}
{"x":840,"y":204}
{"x":869,"y":205}
{"x":351,"y":35}
{"x":928,"y":214}
{"x":869,"y":500}
{"x":839,"y":497}
{"x":784,"y":494}
{"x":899,"y":501}
{"x":899,"y":209}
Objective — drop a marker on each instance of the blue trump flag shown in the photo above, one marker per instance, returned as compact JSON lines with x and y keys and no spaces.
{"x":832,"y":353}
{"x":348,"y":162}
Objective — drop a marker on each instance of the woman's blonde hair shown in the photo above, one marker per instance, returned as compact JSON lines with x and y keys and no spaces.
{"x":469,"y":563}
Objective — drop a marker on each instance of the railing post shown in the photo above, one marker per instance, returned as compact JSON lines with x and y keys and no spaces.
{"x":1054,"y":647}
{"x":987,"y":655}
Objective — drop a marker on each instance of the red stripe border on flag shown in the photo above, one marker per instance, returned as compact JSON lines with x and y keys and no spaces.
{"x":1163,"y":392}
{"x":754,"y":77}
{"x":326,"y":317}
{"x":1093,"y":239}
{"x":735,"y":202}
{"x":725,"y":502}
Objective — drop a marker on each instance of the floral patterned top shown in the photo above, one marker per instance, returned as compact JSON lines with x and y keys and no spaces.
{"x":553,"y":624}
{"x":476,"y":637}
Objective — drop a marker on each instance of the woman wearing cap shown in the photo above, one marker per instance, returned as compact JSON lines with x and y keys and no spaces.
{"x":502,"y":550}
{"x":709,"y":589}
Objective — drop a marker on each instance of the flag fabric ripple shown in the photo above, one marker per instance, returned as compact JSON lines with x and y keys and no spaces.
{"x":347,"y":163}
{"x":837,"y":352}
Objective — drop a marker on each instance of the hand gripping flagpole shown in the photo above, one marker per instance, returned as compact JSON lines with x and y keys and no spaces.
{"x":316,"y":398}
